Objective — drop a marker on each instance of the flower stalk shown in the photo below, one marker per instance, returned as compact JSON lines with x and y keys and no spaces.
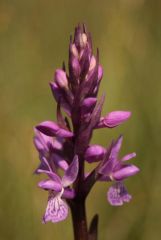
{"x":64,"y":145}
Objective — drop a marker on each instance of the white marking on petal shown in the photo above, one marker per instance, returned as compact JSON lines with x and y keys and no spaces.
{"x":57,"y":209}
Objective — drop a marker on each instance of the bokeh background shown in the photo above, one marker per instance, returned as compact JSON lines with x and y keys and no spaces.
{"x":34,"y":36}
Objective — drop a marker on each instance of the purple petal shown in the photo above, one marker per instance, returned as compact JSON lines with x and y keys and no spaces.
{"x":94,"y":153}
{"x":88,"y":105}
{"x":50,"y":185}
{"x":56,"y":211}
{"x":61,"y":78}
{"x":113,"y":119}
{"x":49,"y":128}
{"x":117,"y":194}
{"x":58,"y":143}
{"x":59,"y":97}
{"x":74,"y":67}
{"x":60,"y":161}
{"x":42,"y":167}
{"x":64,"y":133}
{"x":111,"y":161}
{"x":71,"y":173}
{"x":68,"y":193}
{"x":49,"y":171}
{"x":128,"y":156}
{"x":100,"y":72}
{"x":52,"y":129}
{"x":116,"y":149}
{"x":125,"y":172}
{"x":42,"y":142}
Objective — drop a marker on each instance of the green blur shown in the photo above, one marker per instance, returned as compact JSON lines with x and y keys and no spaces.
{"x":34,"y":36}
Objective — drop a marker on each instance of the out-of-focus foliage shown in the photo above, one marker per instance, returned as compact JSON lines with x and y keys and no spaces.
{"x":34,"y":37}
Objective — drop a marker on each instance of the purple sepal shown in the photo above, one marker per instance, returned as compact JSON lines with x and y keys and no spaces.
{"x":71,"y":173}
{"x":94,"y":153}
{"x":68,"y":193}
{"x":42,"y":142}
{"x":100,"y":73}
{"x":50,"y":128}
{"x":59,"y":161}
{"x":117,"y":194}
{"x":50,"y":185}
{"x":60,"y":97}
{"x":113,"y":119}
{"x":61,"y":78}
{"x":125,"y":172}
{"x":113,"y":167}
{"x":88,"y":105}
{"x":128,"y":156}
{"x":56,"y":211}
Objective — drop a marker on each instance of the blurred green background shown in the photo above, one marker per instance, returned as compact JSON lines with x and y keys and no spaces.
{"x":34,"y":36}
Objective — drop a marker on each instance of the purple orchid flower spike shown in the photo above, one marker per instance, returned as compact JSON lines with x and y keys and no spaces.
{"x":65,"y":145}
{"x":57,"y":208}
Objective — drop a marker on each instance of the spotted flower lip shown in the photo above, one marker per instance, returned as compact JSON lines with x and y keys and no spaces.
{"x":117,"y":194}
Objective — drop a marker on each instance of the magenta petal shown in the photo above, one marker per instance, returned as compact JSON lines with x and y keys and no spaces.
{"x":60,"y":161}
{"x":71,"y":173}
{"x":94,"y":153}
{"x":64,"y":133}
{"x":50,"y":185}
{"x":49,"y":128}
{"x":56,"y":211}
{"x":116,"y":149}
{"x":59,"y":97}
{"x":52,"y":129}
{"x":41,"y":141}
{"x":125,"y":171}
{"x":116,"y":118}
{"x":113,"y":119}
{"x":100,"y":72}
{"x":128,"y":156}
{"x":112,"y":161}
{"x":61,"y":78}
{"x":88,"y":105}
{"x":117,"y":194}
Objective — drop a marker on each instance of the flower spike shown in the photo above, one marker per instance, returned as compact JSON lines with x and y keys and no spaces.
{"x":64,"y":146}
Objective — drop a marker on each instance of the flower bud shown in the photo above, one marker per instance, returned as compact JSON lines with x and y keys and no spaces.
{"x":94,"y":153}
{"x":61,"y":78}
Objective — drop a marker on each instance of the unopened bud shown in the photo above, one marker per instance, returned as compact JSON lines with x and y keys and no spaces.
{"x":61,"y":78}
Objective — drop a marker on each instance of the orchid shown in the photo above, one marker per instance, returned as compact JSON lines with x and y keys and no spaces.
{"x":64,"y":145}
{"x":114,"y":169}
{"x":57,"y":209}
